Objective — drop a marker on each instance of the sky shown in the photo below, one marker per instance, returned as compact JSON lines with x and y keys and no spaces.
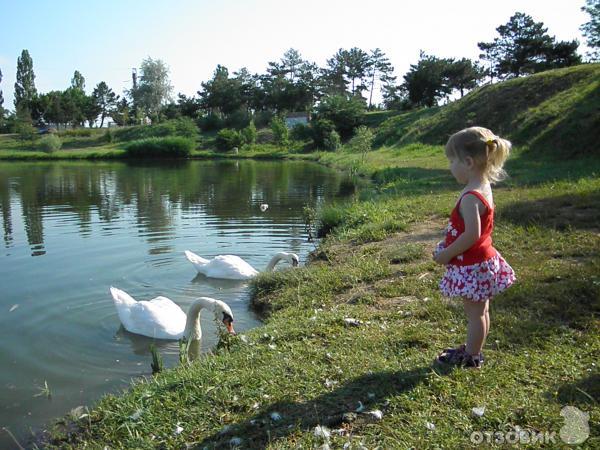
{"x":105,"y":40}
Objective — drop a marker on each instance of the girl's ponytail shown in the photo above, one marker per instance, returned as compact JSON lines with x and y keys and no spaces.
{"x":498,"y":151}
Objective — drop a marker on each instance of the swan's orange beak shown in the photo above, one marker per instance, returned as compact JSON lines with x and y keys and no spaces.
{"x":229,"y":325}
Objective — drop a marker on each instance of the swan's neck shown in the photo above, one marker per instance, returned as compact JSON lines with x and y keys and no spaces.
{"x":274,"y":260}
{"x":192,"y":325}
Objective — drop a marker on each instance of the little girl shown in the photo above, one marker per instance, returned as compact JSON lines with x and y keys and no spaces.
{"x":475,"y":271}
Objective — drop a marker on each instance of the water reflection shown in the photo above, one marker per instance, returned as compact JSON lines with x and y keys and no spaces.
{"x":230,"y":191}
{"x":218,"y":283}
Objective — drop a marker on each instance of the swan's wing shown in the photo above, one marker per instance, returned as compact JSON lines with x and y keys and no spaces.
{"x":229,"y":266}
{"x":159,"y":318}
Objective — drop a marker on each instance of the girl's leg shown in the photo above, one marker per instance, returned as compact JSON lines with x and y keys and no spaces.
{"x":477,"y":325}
{"x":487,"y":319}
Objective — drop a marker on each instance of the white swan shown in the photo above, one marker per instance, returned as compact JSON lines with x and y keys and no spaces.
{"x":233,"y":267}
{"x":160,"y":318}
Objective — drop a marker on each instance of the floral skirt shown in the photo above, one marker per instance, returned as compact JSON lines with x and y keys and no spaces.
{"x":478,"y":282}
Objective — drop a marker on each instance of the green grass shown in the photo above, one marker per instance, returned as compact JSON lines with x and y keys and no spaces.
{"x":310,"y":367}
{"x":551,"y":112}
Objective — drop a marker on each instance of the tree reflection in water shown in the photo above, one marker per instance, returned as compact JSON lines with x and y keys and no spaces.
{"x":157,"y":193}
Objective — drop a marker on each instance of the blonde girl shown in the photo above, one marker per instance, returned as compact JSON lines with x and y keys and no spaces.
{"x":475,"y":270}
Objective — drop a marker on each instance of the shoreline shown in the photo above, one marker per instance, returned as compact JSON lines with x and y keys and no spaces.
{"x":375,"y":268}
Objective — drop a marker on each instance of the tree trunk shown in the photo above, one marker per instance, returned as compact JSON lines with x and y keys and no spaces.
{"x":102,"y":121}
{"x":372,"y":86}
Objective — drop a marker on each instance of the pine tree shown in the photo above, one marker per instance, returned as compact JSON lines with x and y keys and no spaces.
{"x":524,"y":47}
{"x":25,"y":90}
{"x":591,"y":29}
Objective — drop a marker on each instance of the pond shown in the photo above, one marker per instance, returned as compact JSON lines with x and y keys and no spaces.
{"x":70,"y":230}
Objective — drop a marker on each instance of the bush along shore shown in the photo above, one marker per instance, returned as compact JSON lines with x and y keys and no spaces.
{"x":344,"y":357}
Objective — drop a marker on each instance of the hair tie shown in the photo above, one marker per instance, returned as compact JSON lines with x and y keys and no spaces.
{"x":489,"y":142}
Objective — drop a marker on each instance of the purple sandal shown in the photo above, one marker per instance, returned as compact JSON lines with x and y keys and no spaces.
{"x":459,"y":357}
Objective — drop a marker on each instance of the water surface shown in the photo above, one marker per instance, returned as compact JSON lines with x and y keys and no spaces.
{"x":72,"y":229}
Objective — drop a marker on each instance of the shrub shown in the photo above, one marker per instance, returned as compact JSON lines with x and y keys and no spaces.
{"x":345,"y":113}
{"x":262,"y":118}
{"x":238,"y":119}
{"x":210,"y":122}
{"x":50,"y":143}
{"x":25,"y":130}
{"x":321,"y":129}
{"x":172,"y":146}
{"x":227,"y":139}
{"x":300,"y":132}
{"x":280,"y":130}
{"x":249,"y":133}
{"x":332,"y":141}
{"x":109,"y":136}
{"x":186,"y":127}
{"x":362,"y":141}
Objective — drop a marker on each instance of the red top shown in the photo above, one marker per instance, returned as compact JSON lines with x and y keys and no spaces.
{"x":481,"y":250}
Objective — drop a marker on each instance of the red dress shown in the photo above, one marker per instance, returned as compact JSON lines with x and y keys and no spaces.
{"x":480,"y":272}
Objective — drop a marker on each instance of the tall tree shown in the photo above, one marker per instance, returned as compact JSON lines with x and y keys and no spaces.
{"x":78,"y":82}
{"x":347,"y":67}
{"x":288,"y":66}
{"x":524,"y":47}
{"x":222,"y":94}
{"x":380,"y":69}
{"x":357,"y":64}
{"x":463,"y":74}
{"x":25,"y":90}
{"x":105,"y":100}
{"x":1,"y":100}
{"x":426,"y":82}
{"x":154,"y":88}
{"x":591,"y":29}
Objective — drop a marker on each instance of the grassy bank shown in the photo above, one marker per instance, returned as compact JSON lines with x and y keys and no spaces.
{"x":308,"y":367}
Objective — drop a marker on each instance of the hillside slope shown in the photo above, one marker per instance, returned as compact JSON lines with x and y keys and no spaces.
{"x":556,"y":112}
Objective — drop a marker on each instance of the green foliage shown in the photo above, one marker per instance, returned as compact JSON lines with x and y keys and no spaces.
{"x":157,"y":361}
{"x":25,"y":130}
{"x":78,"y":81}
{"x":109,"y":136}
{"x":105,"y":101}
{"x":238,"y":119}
{"x":154,"y":87}
{"x":300,"y":132}
{"x":346,"y":113}
{"x":362,"y":141}
{"x":591,"y":29}
{"x":50,"y":143}
{"x":280,"y":131}
{"x":309,"y":215}
{"x":332,"y":141}
{"x":168,"y":147}
{"x":426,"y":82}
{"x":210,"y":122}
{"x":227,"y":139}
{"x":321,"y":130}
{"x":249,"y":133}
{"x":25,"y":90}
{"x":524,"y":47}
